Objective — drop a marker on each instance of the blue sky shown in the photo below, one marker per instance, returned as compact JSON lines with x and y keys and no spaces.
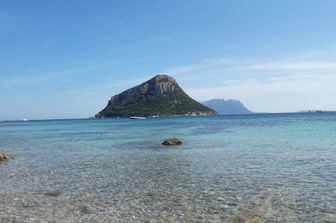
{"x":65,"y":59}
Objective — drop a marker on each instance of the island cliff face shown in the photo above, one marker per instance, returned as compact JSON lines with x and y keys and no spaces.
{"x":159,"y":96}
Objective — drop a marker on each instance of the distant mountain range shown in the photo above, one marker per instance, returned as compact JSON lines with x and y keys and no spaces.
{"x":159,"y":96}
{"x":227,"y":107}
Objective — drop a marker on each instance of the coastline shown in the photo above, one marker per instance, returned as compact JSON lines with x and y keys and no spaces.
{"x":176,"y":116}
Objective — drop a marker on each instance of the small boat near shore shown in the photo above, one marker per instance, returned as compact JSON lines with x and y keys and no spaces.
{"x":137,"y":117}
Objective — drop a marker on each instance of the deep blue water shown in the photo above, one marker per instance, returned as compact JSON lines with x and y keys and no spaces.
{"x":249,"y":168}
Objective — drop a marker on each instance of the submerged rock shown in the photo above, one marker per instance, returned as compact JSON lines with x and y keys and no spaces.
{"x":53,"y":193}
{"x":85,"y":209}
{"x":3,"y":156}
{"x":172,"y":142}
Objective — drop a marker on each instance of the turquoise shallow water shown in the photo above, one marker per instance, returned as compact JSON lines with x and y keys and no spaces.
{"x":251,"y":168}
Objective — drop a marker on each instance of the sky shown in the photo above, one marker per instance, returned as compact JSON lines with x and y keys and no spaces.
{"x":66,"y":58}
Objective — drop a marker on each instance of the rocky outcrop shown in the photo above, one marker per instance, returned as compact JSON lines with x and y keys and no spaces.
{"x":172,"y":142}
{"x":3,"y":156}
{"x":159,"y":96}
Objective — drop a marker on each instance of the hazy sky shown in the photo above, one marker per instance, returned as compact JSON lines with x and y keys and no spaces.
{"x":66,"y":58}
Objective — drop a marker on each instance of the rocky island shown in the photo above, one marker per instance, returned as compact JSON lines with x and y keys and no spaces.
{"x":159,"y":96}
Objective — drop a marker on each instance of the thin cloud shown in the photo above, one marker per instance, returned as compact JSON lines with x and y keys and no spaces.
{"x":203,"y":65}
{"x":294,"y":66}
{"x":278,"y":85}
{"x":215,"y":66}
{"x":272,"y":86}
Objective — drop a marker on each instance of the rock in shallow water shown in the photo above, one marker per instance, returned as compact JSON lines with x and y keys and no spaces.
{"x":172,"y":142}
{"x":85,"y":209}
{"x":3,"y":156}
{"x":53,"y":193}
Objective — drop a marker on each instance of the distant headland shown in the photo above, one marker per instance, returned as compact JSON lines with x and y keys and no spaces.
{"x":227,"y":107}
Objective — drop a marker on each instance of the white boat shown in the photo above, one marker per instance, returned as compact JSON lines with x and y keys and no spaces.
{"x":25,"y":119}
{"x":137,"y":117}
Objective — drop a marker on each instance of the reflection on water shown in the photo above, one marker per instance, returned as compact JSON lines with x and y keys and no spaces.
{"x":277,"y":168}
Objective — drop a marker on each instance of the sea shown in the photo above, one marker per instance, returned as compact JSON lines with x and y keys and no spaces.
{"x":233,"y":168}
